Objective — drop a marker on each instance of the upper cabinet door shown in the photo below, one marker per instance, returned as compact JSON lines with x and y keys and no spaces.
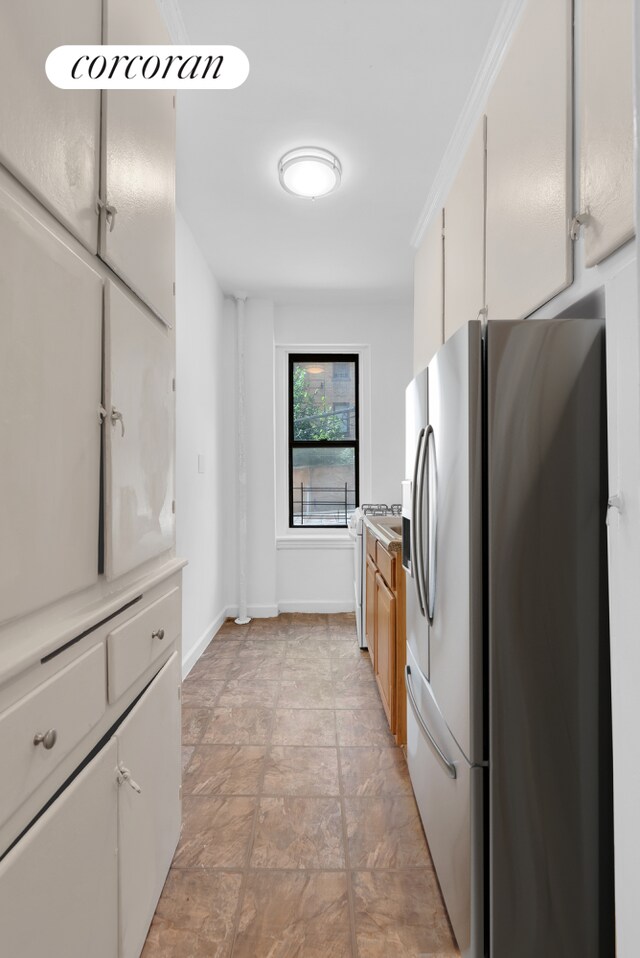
{"x":464,"y":238}
{"x":137,"y":228}
{"x":428,"y":293}
{"x":529,"y":160}
{"x":606,"y":136}
{"x":50,"y":372}
{"x":49,"y":137}
{"x":139,"y":433}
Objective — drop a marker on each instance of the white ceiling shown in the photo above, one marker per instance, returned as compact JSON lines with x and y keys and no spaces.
{"x":379,"y":82}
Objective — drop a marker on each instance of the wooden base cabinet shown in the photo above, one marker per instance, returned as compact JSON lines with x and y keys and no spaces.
{"x":386,"y":632}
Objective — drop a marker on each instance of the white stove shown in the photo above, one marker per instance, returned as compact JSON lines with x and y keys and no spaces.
{"x":356,"y":530}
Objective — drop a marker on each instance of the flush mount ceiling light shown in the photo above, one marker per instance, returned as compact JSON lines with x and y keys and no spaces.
{"x":310,"y":171}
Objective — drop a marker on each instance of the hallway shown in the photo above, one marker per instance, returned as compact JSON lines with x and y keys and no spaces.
{"x":300,"y":837}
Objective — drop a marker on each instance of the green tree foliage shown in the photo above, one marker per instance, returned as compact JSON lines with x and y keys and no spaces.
{"x":313,"y":421}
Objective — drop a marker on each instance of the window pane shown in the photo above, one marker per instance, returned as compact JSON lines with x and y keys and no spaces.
{"x":324,"y":401}
{"x":324,"y":486}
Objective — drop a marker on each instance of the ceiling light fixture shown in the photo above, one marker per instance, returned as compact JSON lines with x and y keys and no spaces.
{"x":310,"y":171}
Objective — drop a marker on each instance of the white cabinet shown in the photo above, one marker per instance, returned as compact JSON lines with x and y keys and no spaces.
{"x":139,"y":434}
{"x":529,"y":160}
{"x":58,"y":885}
{"x":148,"y":819}
{"x":428,"y":293}
{"x":464,"y":238}
{"x":606,"y":121}
{"x":48,"y":137}
{"x":137,"y":231}
{"x":50,"y":372}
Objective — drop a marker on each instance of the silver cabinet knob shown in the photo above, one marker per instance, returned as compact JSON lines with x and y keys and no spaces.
{"x":48,"y":739}
{"x":158,"y":634}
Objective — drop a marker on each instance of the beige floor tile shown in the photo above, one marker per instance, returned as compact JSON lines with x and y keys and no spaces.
{"x":401,"y":913}
{"x":298,"y":833}
{"x":187,"y":752}
{"x":261,"y":650}
{"x":364,"y":727}
{"x":306,"y":692}
{"x":306,"y":649}
{"x":195,"y":917}
{"x":216,"y":832}
{"x":349,"y":651}
{"x":294,"y":915}
{"x":194,"y":722}
{"x":304,"y":727}
{"x":374,"y":771}
{"x":201,"y":692}
{"x":294,"y":770}
{"x":249,"y":670}
{"x":299,"y":666}
{"x":237,"y":726}
{"x":224,"y":770}
{"x":385,"y":833}
{"x":240,"y":694}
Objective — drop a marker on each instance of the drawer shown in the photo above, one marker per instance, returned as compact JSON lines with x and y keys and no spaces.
{"x":72,"y":701}
{"x":371,"y":545}
{"x":386,"y":562}
{"x":134,"y":645}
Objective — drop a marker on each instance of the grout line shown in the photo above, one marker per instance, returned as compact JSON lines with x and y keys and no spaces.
{"x":345,"y":840}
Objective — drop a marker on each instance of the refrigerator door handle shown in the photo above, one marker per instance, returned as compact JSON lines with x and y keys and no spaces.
{"x":449,"y":768}
{"x":417,"y":544}
{"x":432,"y":522}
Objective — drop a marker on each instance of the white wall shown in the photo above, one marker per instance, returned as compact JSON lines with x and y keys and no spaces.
{"x":202,"y":365}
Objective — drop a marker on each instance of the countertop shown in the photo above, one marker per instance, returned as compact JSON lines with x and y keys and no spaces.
{"x":382,"y":527}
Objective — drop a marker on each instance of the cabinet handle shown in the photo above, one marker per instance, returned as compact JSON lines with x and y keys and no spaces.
{"x":124,"y":775}
{"x":48,"y":739}
{"x":158,"y":634}
{"x":117,"y":417}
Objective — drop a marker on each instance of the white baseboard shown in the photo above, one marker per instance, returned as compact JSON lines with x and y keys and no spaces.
{"x":314,"y":606}
{"x":194,"y":654}
{"x":254,"y":611}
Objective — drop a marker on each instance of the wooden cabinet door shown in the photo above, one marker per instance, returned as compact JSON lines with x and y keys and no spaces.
{"x":370,"y":609}
{"x":149,"y":819}
{"x":139,"y":446}
{"x":428,"y":295}
{"x":49,"y":138}
{"x":386,"y":647}
{"x":529,"y":164}
{"x":606,"y":128}
{"x":50,"y":372}
{"x":464,"y":238}
{"x":58,"y":885}
{"x":137,"y":239}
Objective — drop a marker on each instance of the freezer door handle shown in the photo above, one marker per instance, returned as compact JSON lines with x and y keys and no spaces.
{"x":449,"y":768}
{"x":417,"y":543}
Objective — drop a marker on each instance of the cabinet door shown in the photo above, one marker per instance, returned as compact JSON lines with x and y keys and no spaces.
{"x":58,"y":885}
{"x":148,"y":819}
{"x":49,"y":138}
{"x":386,"y":647}
{"x":464,"y":238}
{"x":370,"y":612}
{"x":529,"y":164}
{"x":428,"y":295}
{"x":139,"y":487}
{"x":50,"y":372}
{"x":138,"y":167}
{"x":606,"y":134}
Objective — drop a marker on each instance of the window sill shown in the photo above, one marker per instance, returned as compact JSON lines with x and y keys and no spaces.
{"x":322,"y":541}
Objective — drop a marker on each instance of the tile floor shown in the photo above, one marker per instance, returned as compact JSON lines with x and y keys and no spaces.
{"x":301,"y":837}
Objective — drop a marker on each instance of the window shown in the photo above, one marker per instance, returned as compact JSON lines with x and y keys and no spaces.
{"x":323,"y":440}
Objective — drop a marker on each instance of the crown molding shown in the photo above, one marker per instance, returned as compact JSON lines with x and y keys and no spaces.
{"x":172,"y":16}
{"x":470,"y":115}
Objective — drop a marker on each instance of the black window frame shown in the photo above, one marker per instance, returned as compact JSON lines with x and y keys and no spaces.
{"x":354,"y":444}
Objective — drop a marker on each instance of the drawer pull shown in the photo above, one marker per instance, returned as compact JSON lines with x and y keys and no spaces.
{"x":124,"y":775}
{"x":48,"y":739}
{"x":158,"y":634}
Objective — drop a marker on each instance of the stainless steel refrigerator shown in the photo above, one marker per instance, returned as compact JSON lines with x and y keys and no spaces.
{"x":508,"y":712}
